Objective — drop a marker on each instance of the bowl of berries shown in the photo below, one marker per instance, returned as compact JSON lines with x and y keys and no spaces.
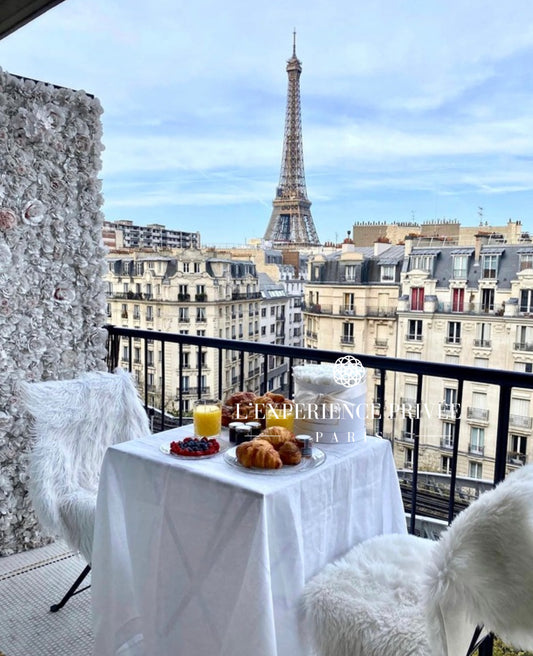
{"x":192,"y":448}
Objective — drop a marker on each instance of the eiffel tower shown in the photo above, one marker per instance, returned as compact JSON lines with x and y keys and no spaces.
{"x":291,"y":223}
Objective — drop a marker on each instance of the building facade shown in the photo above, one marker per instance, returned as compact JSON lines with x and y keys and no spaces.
{"x":125,"y":234}
{"x":468,"y":305}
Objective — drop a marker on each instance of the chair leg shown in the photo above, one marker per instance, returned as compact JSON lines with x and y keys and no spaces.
{"x":72,"y":591}
{"x":485,"y":648}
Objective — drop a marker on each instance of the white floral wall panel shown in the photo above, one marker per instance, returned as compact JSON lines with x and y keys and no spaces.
{"x":51,"y":264}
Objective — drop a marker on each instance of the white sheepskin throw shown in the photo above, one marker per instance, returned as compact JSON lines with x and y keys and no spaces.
{"x":406,"y":596}
{"x":74,"y":423}
{"x":369,"y":602}
{"x":483,"y":564}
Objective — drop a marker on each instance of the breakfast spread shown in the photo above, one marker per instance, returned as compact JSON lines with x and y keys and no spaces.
{"x":275,"y":447}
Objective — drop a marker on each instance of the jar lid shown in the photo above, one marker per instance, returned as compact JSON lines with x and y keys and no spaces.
{"x":253,"y":424}
{"x":234,"y":424}
{"x":243,"y":428}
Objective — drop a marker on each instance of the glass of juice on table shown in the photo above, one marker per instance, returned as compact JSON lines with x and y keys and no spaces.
{"x":207,"y":415}
{"x":282,"y":416}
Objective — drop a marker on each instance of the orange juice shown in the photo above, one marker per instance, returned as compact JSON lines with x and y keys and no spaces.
{"x":280,"y":417}
{"x":207,"y":419}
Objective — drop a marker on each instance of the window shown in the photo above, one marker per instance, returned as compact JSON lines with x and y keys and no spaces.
{"x":185,"y":387}
{"x":422,"y":262}
{"x":349,"y":272}
{"x":450,"y":400}
{"x":475,"y":470}
{"x":148,"y":291}
{"x":150,"y":381}
{"x":200,"y":314}
{"x":186,"y":267}
{"x":477,"y":440}
{"x":125,"y":287}
{"x":524,"y":338}
{"x":200,"y":333}
{"x":487,"y":300}
{"x":183,"y":314}
{"x":408,"y":428}
{"x":200,"y":290}
{"x":458,"y":299}
{"x":489,"y":266}
{"x":197,"y":267}
{"x":517,"y":449}
{"x":519,"y":416}
{"x":348,"y":303}
{"x":136,"y":311}
{"x":347,"y":333}
{"x":125,"y":353}
{"x":185,"y":360}
{"x":483,"y":335}
{"x":482,"y":363}
{"x":388,"y":272}
{"x":108,"y":309}
{"x":526,"y":300}
{"x":150,"y":313}
{"x":408,"y":459}
{"x":413,"y":355}
{"x":448,"y":435}
{"x":263,"y":330}
{"x":137,"y":355}
{"x":460,"y":263}
{"x":417,"y":299}
{"x":263,"y":312}
{"x":410,"y":394}
{"x":451,"y":359}
{"x":150,"y":358}
{"x":526,"y":367}
{"x":183,"y":293}
{"x":446,"y":465}
{"x":454,"y":332}
{"x":526,"y":261}
{"x":414,"y":330}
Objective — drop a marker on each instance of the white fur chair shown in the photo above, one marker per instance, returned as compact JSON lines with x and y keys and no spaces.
{"x":399,"y":595}
{"x":74,"y":423}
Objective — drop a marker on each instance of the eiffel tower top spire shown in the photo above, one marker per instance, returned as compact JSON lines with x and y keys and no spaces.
{"x":291,"y":222}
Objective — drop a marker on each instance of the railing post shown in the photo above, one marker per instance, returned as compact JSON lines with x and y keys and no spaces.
{"x":502,"y":433}
{"x":485,"y":648}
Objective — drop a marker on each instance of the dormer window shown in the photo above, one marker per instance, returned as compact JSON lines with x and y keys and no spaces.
{"x":422,"y":262}
{"x":388,"y":272}
{"x":526,"y":261}
{"x":349,"y":272}
{"x":490,"y":265}
{"x":460,"y":263}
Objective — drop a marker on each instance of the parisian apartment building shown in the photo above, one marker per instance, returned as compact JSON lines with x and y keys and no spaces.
{"x":205,"y":293}
{"x":126,"y":234}
{"x":427,"y":299}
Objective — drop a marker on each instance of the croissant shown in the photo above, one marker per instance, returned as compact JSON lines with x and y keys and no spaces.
{"x":290,"y":453}
{"x":258,"y":453}
{"x":277,"y":436}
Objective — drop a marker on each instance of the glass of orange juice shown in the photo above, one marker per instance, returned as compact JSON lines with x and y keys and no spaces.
{"x":283,"y":416}
{"x":207,"y":416}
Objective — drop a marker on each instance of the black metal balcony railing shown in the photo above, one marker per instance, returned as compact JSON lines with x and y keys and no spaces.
{"x":413,"y":337}
{"x":516,"y":458}
{"x":477,"y":414}
{"x":523,"y":346}
{"x":482,"y":343}
{"x":380,"y":311}
{"x":476,"y":449}
{"x":417,"y":499}
{"x":519,"y":421}
{"x":446,"y":443}
{"x":346,"y":339}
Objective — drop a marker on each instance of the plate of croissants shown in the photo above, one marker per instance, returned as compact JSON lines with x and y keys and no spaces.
{"x":274,"y":452}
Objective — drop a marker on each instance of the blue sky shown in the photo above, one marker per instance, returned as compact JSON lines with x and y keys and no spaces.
{"x":410,"y":108}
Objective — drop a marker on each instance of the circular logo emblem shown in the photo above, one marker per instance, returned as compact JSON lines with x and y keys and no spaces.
{"x":348,"y":371}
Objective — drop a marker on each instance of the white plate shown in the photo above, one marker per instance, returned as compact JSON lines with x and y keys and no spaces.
{"x":316,"y":459}
{"x":165,"y":448}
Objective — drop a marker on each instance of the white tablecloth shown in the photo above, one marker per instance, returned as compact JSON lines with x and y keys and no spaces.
{"x":195,"y":558}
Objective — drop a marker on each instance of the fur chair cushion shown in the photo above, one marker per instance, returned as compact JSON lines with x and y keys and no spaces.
{"x":369,"y":602}
{"x":483,"y":564}
{"x":74,"y":423}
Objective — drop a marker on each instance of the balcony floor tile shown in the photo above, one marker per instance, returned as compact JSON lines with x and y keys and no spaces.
{"x":30,"y":582}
